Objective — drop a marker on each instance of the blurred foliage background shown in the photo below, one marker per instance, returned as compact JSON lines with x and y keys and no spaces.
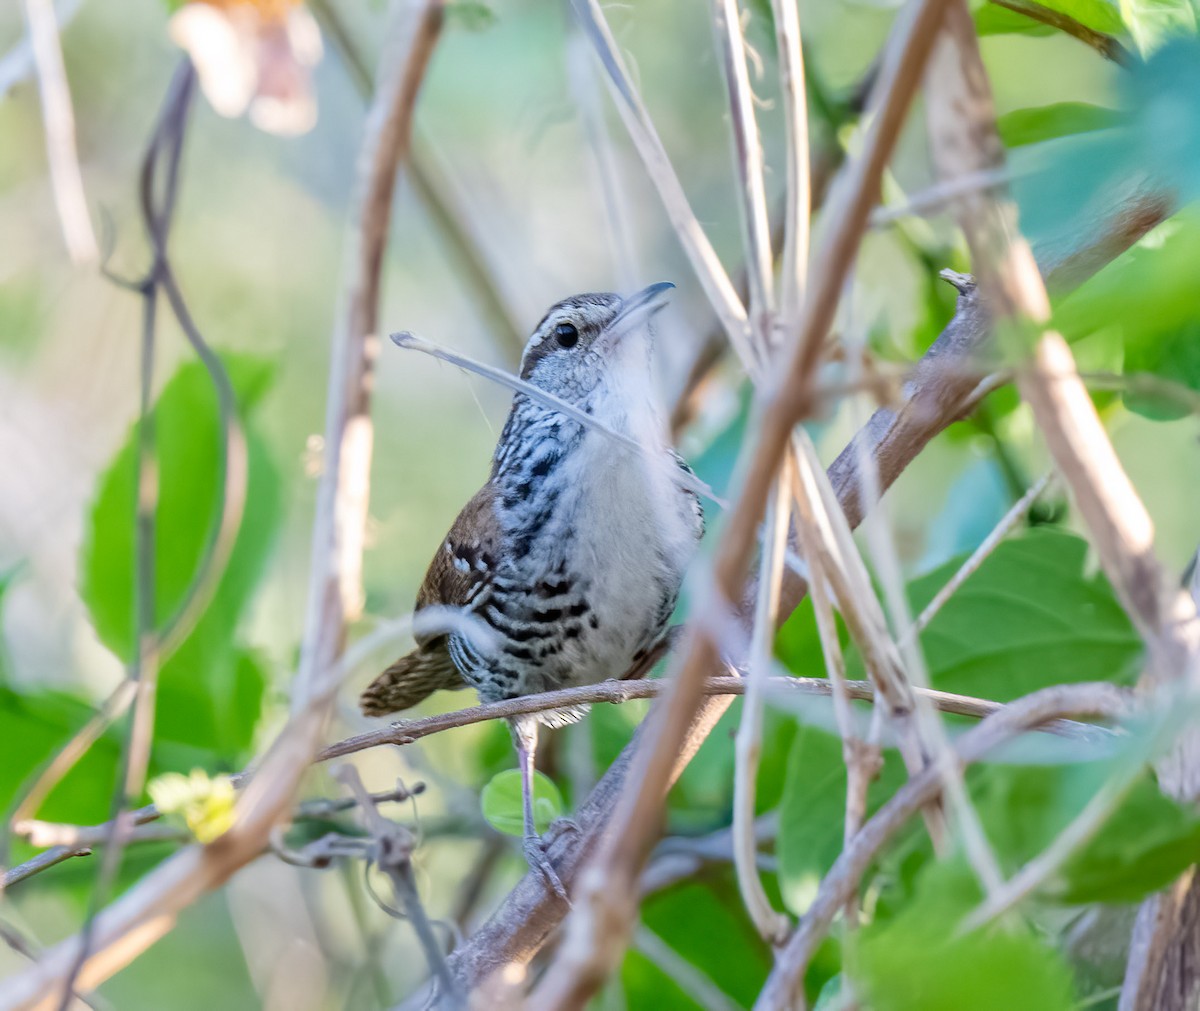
{"x":258,"y":246}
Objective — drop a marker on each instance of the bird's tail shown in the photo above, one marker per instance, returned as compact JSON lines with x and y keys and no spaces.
{"x":411,"y":679}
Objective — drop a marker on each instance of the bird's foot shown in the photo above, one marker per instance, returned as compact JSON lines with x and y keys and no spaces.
{"x":535,"y":856}
{"x":559,"y":828}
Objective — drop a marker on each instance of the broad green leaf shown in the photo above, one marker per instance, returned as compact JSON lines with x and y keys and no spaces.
{"x":1031,"y":616}
{"x":919,"y":961}
{"x":705,"y":924}
{"x":812,"y":811}
{"x":501,"y":802}
{"x":34,"y":727}
{"x":992,"y":19}
{"x":1147,"y":842}
{"x":1045,"y":122}
{"x":1173,"y":358}
{"x":208,"y":692}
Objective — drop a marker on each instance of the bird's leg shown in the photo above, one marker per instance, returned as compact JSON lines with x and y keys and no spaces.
{"x":525,"y":731}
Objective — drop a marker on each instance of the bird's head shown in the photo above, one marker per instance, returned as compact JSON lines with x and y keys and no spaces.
{"x":588,"y":340}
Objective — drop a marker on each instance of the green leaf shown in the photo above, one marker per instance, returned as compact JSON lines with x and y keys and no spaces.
{"x":1099,"y":15}
{"x":1045,"y":122}
{"x":1149,"y":297}
{"x":208,"y":696}
{"x":1154,"y":22}
{"x":501,"y":802}
{"x":1031,"y":616}
{"x":812,"y":811}
{"x":992,"y":19}
{"x":705,"y":924}
{"x":1173,"y":357}
{"x":34,"y":727}
{"x":1147,"y":842}
{"x":919,"y":961}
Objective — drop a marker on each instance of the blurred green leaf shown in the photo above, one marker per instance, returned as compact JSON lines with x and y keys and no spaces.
{"x":470,"y":15}
{"x":992,"y":19}
{"x":209,"y":694}
{"x":1044,"y":122}
{"x":1149,"y":296}
{"x":1147,"y":842}
{"x":33,"y":727}
{"x":1175,"y":358}
{"x":918,"y":961}
{"x":1099,"y":15}
{"x":1153,"y":22}
{"x":501,"y":802}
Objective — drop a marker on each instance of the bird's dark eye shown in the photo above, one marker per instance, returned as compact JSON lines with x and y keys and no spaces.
{"x":567,"y":335}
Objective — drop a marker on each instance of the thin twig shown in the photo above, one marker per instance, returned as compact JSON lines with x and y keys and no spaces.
{"x":799,"y":184}
{"x":1105,"y":45}
{"x":684,"y":974}
{"x":779,"y":689}
{"x":59,"y":119}
{"x":771,"y":925}
{"x":863,"y":760}
{"x":748,"y":163}
{"x":989,"y":544}
{"x":712,"y":276}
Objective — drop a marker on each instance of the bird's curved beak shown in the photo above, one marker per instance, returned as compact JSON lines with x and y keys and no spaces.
{"x":643,"y":304}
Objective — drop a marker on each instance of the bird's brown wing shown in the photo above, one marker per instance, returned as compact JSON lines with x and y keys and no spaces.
{"x":463,"y":567}
{"x":459,"y":574}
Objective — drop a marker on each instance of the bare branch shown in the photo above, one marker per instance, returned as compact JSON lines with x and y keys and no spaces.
{"x":748,"y":162}
{"x":989,"y":544}
{"x":712,"y":276}
{"x":799,"y":183}
{"x":59,"y":119}
{"x":1105,"y":45}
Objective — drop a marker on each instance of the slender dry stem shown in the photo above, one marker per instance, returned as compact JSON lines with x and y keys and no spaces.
{"x":59,"y":119}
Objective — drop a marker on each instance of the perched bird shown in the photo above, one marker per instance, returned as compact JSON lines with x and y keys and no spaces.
{"x":574,"y":551}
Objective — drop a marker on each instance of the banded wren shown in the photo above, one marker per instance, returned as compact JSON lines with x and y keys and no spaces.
{"x":574,"y":551}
